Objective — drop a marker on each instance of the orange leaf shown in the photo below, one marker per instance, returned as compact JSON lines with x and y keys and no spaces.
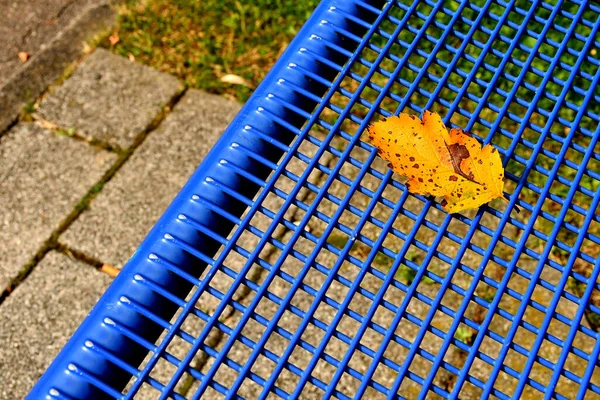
{"x":23,"y":56}
{"x":110,"y":270}
{"x":439,"y":163}
{"x":113,"y":39}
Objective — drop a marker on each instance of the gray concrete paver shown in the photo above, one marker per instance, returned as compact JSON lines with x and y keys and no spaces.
{"x":110,"y":98}
{"x":40,"y":316}
{"x":131,"y":202}
{"x":42,"y":177}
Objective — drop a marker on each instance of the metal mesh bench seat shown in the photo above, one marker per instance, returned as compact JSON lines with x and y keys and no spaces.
{"x":294,"y":263}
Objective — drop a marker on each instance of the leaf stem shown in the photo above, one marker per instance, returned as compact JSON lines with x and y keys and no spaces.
{"x":506,"y":198}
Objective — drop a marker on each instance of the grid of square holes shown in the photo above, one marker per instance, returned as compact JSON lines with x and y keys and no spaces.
{"x":344,"y":284}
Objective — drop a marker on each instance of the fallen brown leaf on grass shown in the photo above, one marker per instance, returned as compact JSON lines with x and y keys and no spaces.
{"x":113,"y":39}
{"x":235,"y":80}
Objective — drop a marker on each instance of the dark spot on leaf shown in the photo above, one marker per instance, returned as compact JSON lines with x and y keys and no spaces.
{"x":459,"y":195}
{"x":480,"y":162}
{"x":416,"y":166}
{"x":458,"y":151}
{"x":389,"y":132}
{"x":453,"y":178}
{"x":412,"y":159}
{"x":420,"y":179}
{"x":494,"y":150}
{"x":444,"y":203}
{"x":430,"y":180}
{"x":390,"y":165}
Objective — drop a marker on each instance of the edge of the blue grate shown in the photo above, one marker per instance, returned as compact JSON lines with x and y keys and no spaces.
{"x":82,"y":369}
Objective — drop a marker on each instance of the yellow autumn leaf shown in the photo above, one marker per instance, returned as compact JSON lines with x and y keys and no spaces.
{"x":438,"y":163}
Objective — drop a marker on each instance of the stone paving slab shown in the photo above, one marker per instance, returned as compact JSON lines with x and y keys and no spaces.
{"x":110,"y":98}
{"x":40,"y":316}
{"x":54,"y":34}
{"x":131,"y":202}
{"x":42,"y":177}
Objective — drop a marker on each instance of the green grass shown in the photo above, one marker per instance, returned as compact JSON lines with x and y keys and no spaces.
{"x":407,"y":275}
{"x":27,"y":111}
{"x":339,"y":241}
{"x":201,"y":40}
{"x":594,"y":320}
{"x":464,"y":334}
{"x":70,"y":132}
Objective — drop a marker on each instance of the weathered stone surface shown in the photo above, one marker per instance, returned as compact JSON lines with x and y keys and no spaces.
{"x":42,"y":177}
{"x":40,"y":316}
{"x":110,"y":98}
{"x":54,"y":34}
{"x":132,"y":201}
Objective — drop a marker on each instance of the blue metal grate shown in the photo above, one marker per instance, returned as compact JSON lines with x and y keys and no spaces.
{"x":294,"y":263}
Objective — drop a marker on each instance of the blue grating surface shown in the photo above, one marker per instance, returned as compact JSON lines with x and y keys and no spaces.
{"x":295,"y":264}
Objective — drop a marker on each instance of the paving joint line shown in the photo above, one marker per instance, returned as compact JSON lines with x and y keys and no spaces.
{"x":72,"y":133}
{"x":52,"y":242}
{"x":78,"y":255}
